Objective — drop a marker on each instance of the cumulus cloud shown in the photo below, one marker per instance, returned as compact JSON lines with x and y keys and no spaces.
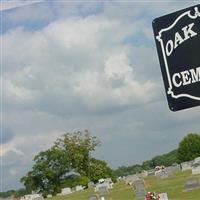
{"x":65,"y":61}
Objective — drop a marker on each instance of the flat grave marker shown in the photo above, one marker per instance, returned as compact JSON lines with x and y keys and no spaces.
{"x":103,"y":191}
{"x":93,"y":197}
{"x":163,"y":196}
{"x":191,"y":184}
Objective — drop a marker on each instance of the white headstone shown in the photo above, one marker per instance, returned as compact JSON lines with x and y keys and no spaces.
{"x":32,"y":197}
{"x":196,"y":170}
{"x":131,"y":178}
{"x":79,"y":188}
{"x":186,"y":165}
{"x":66,"y":191}
{"x":101,"y":180}
{"x":144,"y":173}
{"x":91,"y":184}
{"x":197,"y":160}
{"x":105,"y":184}
{"x":108,"y":180}
{"x":163,"y":196}
{"x":196,"y":166}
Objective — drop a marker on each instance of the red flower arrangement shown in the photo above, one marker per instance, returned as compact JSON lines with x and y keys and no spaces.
{"x":152,"y":196}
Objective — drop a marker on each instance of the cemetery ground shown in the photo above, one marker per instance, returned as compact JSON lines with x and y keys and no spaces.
{"x":173,"y":186}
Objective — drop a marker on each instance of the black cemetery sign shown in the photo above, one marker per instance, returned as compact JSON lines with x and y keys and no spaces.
{"x":177,"y":37}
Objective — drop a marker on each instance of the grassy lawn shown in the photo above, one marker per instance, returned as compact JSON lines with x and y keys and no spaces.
{"x":173,"y":186}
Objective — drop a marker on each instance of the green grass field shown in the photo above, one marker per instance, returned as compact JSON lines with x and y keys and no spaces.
{"x":173,"y":186}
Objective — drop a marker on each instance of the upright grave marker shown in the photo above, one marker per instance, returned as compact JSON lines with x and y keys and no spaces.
{"x":139,"y":189}
{"x":191,"y":184}
{"x":163,"y":196}
{"x":177,"y":38}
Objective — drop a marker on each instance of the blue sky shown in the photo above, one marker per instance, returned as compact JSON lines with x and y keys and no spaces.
{"x":85,"y":65}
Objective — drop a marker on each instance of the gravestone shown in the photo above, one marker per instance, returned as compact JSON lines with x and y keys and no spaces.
{"x":79,"y":188}
{"x":143,"y":174}
{"x":32,"y":197}
{"x":169,"y":170}
{"x":91,"y":184}
{"x":186,"y":165}
{"x":172,"y":169}
{"x":131,"y":179}
{"x":66,"y":191}
{"x":163,"y":196}
{"x":191,"y":184}
{"x":103,"y":191}
{"x":151,"y":172}
{"x":93,"y":197}
{"x":108,"y":182}
{"x":197,"y":160}
{"x":196,"y":166}
{"x":176,"y":167}
{"x":139,"y":189}
{"x":105,"y":184}
{"x":196,"y":169}
{"x":162,"y":174}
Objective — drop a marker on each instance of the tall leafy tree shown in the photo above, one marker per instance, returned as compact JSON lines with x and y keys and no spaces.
{"x":48,"y":172}
{"x":99,"y":169}
{"x":78,"y":147}
{"x":53,"y":167}
{"x":189,"y":147}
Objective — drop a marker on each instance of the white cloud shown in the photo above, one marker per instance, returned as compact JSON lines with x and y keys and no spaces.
{"x":117,"y":66}
{"x":66,"y":58}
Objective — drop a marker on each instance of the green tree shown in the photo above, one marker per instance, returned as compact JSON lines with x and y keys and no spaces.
{"x":74,"y":180}
{"x":48,"y":172}
{"x":77,"y":147}
{"x":189,"y":147}
{"x":165,"y":159}
{"x":99,"y":169}
{"x":52,"y":168}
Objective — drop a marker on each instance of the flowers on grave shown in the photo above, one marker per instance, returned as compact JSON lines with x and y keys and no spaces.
{"x":152,"y":196}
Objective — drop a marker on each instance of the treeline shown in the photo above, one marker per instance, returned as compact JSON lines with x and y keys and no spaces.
{"x":188,"y":149}
{"x":165,"y":159}
{"x":15,"y":193}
